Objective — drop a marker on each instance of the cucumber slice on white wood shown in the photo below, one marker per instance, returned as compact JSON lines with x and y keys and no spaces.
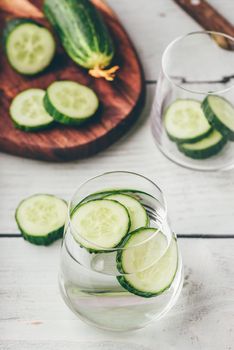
{"x":184,"y":121}
{"x":27,"y":111}
{"x":70,"y":103}
{"x":207,"y":147}
{"x":41,"y":218}
{"x":137,"y":212}
{"x":29,"y":46}
{"x":100,"y":224}
{"x":155,"y":263}
{"x":220,"y":113}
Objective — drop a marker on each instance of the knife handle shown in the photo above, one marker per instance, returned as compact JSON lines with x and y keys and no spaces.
{"x":206,"y":16}
{"x":209,"y":19}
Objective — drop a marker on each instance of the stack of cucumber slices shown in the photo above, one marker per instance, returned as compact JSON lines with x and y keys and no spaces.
{"x":65,"y":102}
{"x":116,"y":222}
{"x":200,"y":129}
{"x":30,"y":48}
{"x":119,"y":222}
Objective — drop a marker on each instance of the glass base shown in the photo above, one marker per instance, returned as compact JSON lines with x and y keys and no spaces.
{"x":111,"y":321}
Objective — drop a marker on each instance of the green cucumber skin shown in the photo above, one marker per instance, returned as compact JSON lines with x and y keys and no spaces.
{"x":32,"y":128}
{"x":122,"y":280}
{"x":62,"y":118}
{"x":126,"y":285}
{"x":43,"y":240}
{"x":82,"y":31}
{"x":205,"y":153}
{"x":40,"y":240}
{"x":214,"y":120}
{"x":10,"y":27}
{"x":194,"y":140}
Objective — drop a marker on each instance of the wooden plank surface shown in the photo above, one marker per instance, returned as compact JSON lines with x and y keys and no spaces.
{"x":153,"y":24}
{"x":33,"y":316}
{"x":198,"y":202}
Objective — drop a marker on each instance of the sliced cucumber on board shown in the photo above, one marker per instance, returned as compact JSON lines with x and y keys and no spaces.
{"x":184,"y":121}
{"x":69,"y":102}
{"x":207,"y":147}
{"x":27,"y":111}
{"x":155,"y":263}
{"x":220,"y":113}
{"x":137,"y":212}
{"x":29,"y":46}
{"x":41,"y":218}
{"x":100,"y":224}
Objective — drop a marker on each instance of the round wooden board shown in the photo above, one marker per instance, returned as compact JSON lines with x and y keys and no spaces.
{"x":121,"y":102}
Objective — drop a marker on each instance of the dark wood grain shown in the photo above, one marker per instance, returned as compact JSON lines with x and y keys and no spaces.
{"x":210,"y":19}
{"x":121,"y":101}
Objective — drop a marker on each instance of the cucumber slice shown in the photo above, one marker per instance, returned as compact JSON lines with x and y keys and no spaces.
{"x":220,"y":113}
{"x":100,"y":223}
{"x":137,"y":212}
{"x":70,"y":103}
{"x":41,"y":218}
{"x":155,"y":263}
{"x":184,"y":121}
{"x":29,"y":46}
{"x":27,"y":111}
{"x":205,"y":148}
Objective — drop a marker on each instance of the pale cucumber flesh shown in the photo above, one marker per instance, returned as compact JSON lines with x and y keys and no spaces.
{"x":30,"y":48}
{"x":100,"y":224}
{"x":41,"y":214}
{"x":154,"y":261}
{"x":73,"y":100}
{"x":184,"y":121}
{"x":27,"y":109}
{"x":137,"y":212}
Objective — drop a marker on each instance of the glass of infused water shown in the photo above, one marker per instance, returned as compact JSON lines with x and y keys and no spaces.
{"x":193,"y":109}
{"x":121,"y":266}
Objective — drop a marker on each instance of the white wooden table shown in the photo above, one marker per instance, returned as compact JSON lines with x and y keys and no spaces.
{"x":201,"y":209}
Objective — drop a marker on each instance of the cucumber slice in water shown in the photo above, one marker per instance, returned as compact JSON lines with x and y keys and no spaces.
{"x":154,"y":263}
{"x":29,"y":46}
{"x":100,"y":224}
{"x":209,"y":146}
{"x":70,"y":103}
{"x":27,"y":111}
{"x":41,"y":218}
{"x":184,"y":121}
{"x":137,"y":212}
{"x":220,"y":113}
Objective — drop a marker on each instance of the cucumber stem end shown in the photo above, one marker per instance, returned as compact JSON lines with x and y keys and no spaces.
{"x":108,"y":74}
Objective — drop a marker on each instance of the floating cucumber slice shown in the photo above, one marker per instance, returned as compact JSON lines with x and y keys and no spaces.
{"x":100,"y":224}
{"x":70,"y":103}
{"x":27,"y":111}
{"x":29,"y":46}
{"x":209,"y":146}
{"x":184,"y":121}
{"x":137,"y":212}
{"x":41,"y":218}
{"x":220,"y":113}
{"x":155,"y":263}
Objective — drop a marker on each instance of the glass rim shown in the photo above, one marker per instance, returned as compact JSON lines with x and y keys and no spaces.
{"x":157,"y":229}
{"x":181,"y":37}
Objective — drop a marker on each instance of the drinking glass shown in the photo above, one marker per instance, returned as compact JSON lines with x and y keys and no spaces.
{"x":88,"y":281}
{"x":193,"y":67}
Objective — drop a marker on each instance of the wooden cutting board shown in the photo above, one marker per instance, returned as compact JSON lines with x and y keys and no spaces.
{"x":121,"y":101}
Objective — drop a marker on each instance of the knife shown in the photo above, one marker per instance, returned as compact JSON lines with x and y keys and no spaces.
{"x":210,"y":19}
